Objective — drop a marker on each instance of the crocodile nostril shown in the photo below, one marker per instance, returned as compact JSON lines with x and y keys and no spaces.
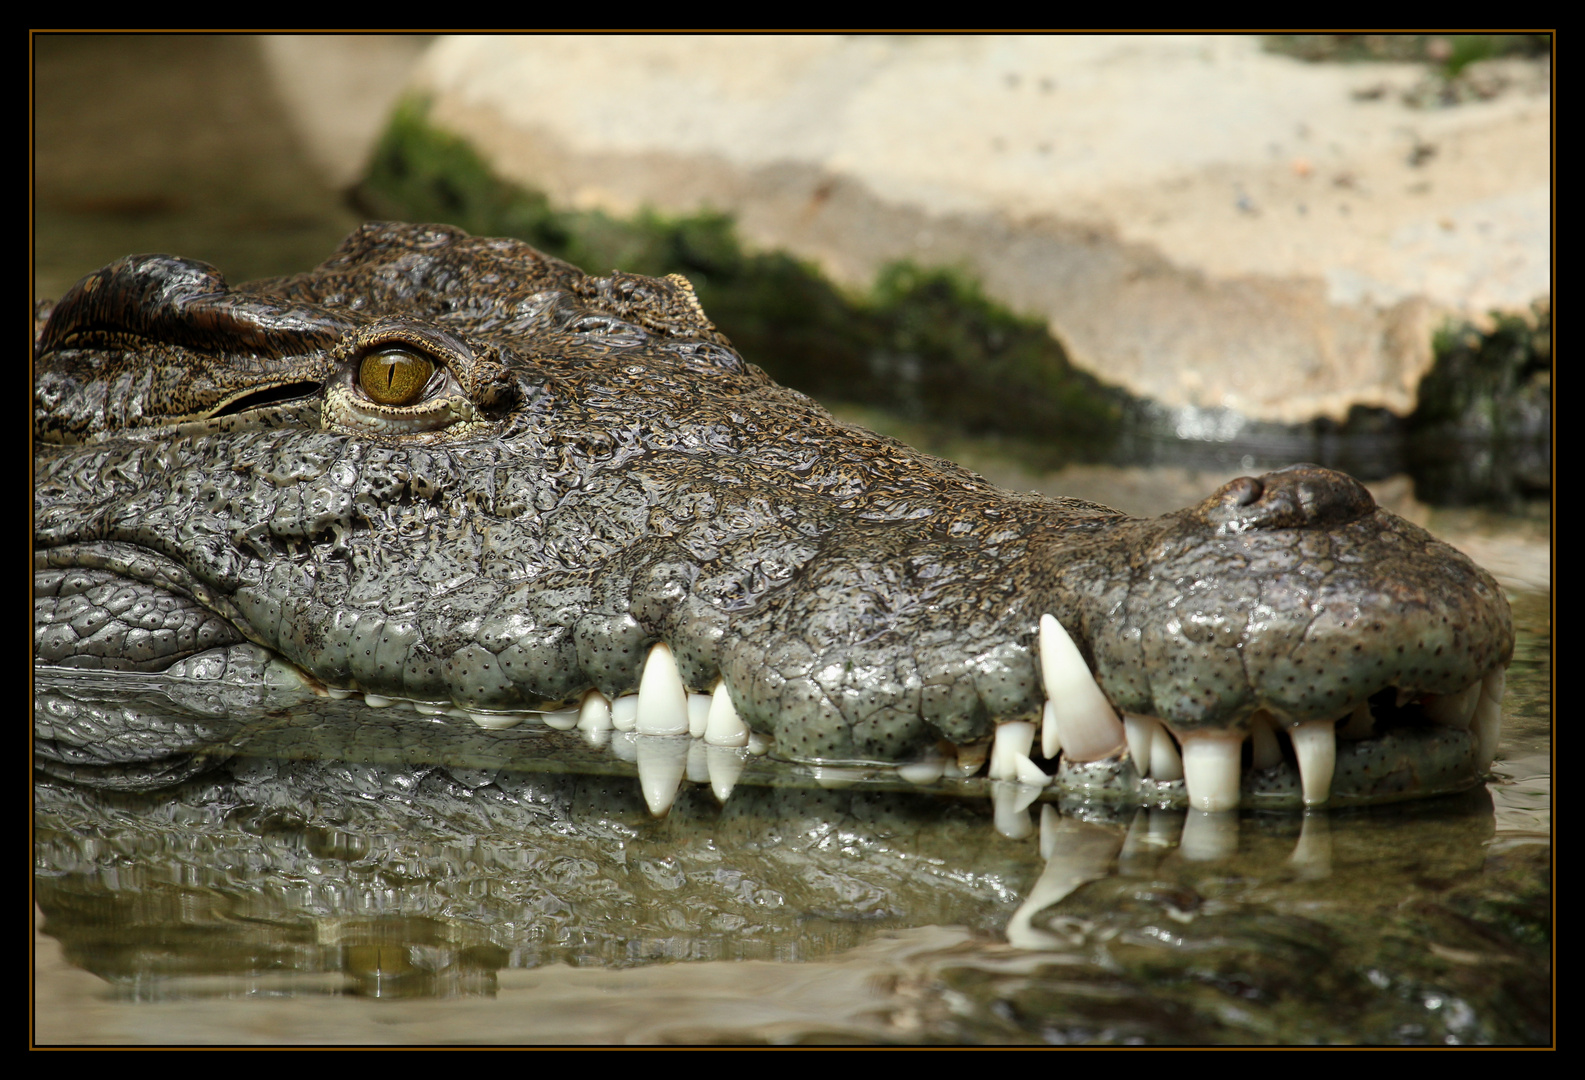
{"x":1300,"y":496}
{"x":1244,"y":490}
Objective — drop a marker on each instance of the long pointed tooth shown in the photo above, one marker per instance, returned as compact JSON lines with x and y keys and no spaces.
{"x":1013,"y":741}
{"x":971,"y":757}
{"x":724,"y":727}
{"x":1086,"y":724}
{"x":624,"y":712}
{"x":726,"y":765}
{"x":1488,"y":716}
{"x":1165,"y":764}
{"x":662,"y":698}
{"x":1050,"y":737}
{"x":661,"y":761}
{"x":1028,"y":773}
{"x":1360,"y":724}
{"x":698,"y":714}
{"x":1454,"y":710}
{"x":1264,"y":749}
{"x":1141,"y":731}
{"x":1210,"y":768}
{"x":1315,"y":745}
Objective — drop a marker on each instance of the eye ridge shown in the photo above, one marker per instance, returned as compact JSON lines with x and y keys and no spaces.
{"x":395,"y":376}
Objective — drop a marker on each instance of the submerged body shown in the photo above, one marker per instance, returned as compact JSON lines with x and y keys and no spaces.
{"x":456,"y":471}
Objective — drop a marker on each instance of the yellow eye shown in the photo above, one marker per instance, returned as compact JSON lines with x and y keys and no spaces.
{"x":395,"y":376}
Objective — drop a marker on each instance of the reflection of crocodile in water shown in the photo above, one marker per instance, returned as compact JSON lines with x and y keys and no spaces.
{"x":456,"y":471}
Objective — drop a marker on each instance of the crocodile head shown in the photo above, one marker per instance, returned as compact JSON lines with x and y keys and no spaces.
{"x":457,"y":471}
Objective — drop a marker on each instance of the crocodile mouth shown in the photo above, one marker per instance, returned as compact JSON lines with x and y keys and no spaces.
{"x":1396,"y":743}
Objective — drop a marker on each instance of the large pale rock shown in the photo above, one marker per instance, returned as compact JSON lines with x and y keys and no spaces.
{"x":1200,"y":221}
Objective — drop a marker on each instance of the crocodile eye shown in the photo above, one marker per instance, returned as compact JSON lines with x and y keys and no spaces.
{"x":395,"y":376}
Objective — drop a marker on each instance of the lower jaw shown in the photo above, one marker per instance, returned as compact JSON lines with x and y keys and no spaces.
{"x":1396,"y":765}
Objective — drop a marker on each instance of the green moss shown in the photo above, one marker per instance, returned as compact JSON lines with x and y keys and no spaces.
{"x":926,"y":343}
{"x":1495,"y":384}
{"x":1451,"y":52}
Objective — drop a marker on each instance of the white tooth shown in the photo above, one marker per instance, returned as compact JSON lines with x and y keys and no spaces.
{"x":1087,"y":726}
{"x":927,"y":770}
{"x":1315,"y":745}
{"x":1165,"y":764}
{"x":594,"y":719}
{"x":426,"y":708}
{"x":724,"y":727}
{"x":1360,"y":724}
{"x":757,"y":744}
{"x":662,"y":698}
{"x":726,"y":765}
{"x":1312,"y":855}
{"x":495,"y":721}
{"x":1050,"y":737}
{"x":1454,"y":710}
{"x":1210,"y":768}
{"x":1013,"y":741}
{"x":1155,"y":754}
{"x":624,"y":712}
{"x":1488,"y":716}
{"x":971,"y":757}
{"x":594,"y":712}
{"x":338,"y":695}
{"x":378,"y":701}
{"x":1208,"y":836}
{"x":1030,"y":774}
{"x":1141,"y":730}
{"x":698,"y":714}
{"x":661,"y":761}
{"x":562,"y":719}
{"x":1264,"y":750}
{"x":698,"y":762}
{"x":1011,"y":804}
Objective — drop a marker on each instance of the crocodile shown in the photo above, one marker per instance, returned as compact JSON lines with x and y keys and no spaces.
{"x":456,"y":471}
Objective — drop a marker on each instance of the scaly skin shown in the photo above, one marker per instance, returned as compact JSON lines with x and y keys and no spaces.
{"x":592,"y":470}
